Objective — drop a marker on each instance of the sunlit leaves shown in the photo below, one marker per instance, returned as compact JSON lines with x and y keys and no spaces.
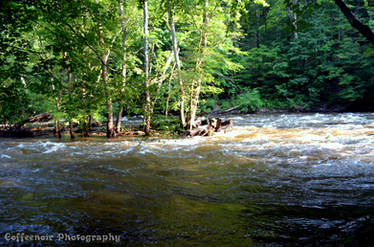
{"x":262,"y":2}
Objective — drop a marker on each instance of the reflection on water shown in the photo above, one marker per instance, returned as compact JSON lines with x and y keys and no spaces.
{"x":281,"y":179}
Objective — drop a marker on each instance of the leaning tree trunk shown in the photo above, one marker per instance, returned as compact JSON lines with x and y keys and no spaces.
{"x":147,"y":107}
{"x":355,"y":23}
{"x":182,"y":117}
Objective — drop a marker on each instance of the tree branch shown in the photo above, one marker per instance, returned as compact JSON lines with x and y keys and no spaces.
{"x":355,"y":23}
{"x":98,"y":55}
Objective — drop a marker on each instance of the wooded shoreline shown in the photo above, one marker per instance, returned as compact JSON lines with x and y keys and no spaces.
{"x":33,"y":127}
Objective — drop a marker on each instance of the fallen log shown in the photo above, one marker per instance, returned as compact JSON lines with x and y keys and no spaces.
{"x":43,"y":117}
{"x":208,"y":127}
{"x":198,"y":122}
{"x":199,"y":131}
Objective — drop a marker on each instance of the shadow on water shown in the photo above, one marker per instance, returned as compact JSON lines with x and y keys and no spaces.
{"x":265,"y":184}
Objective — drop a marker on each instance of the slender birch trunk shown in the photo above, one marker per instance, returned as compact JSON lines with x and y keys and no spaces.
{"x":124,"y":69}
{"x":293,"y":18}
{"x":119,"y":118}
{"x":182,"y":117}
{"x":147,"y":110}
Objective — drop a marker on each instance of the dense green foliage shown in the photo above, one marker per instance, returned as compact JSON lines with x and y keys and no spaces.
{"x":329,"y":66}
{"x":77,"y":59}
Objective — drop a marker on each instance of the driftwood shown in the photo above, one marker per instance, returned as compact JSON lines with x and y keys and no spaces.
{"x":203,"y":130}
{"x":39,"y":118}
{"x":132,"y":133}
{"x":207,"y":127}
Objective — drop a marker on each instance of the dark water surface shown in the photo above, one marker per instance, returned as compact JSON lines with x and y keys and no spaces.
{"x":293,"y":179}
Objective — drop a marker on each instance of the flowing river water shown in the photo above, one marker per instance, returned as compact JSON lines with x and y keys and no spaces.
{"x":278,"y":179}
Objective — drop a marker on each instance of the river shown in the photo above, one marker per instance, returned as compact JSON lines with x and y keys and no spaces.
{"x":278,"y":179}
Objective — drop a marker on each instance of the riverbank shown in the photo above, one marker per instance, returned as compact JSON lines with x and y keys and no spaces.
{"x":42,"y":129}
{"x":131,"y":126}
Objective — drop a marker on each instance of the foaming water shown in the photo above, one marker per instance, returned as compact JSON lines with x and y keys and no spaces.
{"x":275,"y":179}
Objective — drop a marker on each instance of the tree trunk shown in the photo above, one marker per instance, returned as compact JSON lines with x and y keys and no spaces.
{"x":119,"y":117}
{"x":124,"y":69}
{"x":194,"y":102}
{"x":355,"y":23}
{"x":71,"y":127}
{"x":293,"y":18}
{"x":58,"y":129}
{"x":191,"y":119}
{"x":70,"y":78}
{"x":58,"y":102}
{"x":84,"y":125}
{"x":71,"y":130}
{"x":182,"y":117}
{"x":196,"y":91}
{"x":266,"y":24}
{"x":104,"y":59}
{"x":168,"y":98}
{"x":147,"y":110}
{"x":110,"y":130}
{"x":257,"y":16}
{"x":123,"y":30}
{"x":264,"y":15}
{"x":89,"y":122}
